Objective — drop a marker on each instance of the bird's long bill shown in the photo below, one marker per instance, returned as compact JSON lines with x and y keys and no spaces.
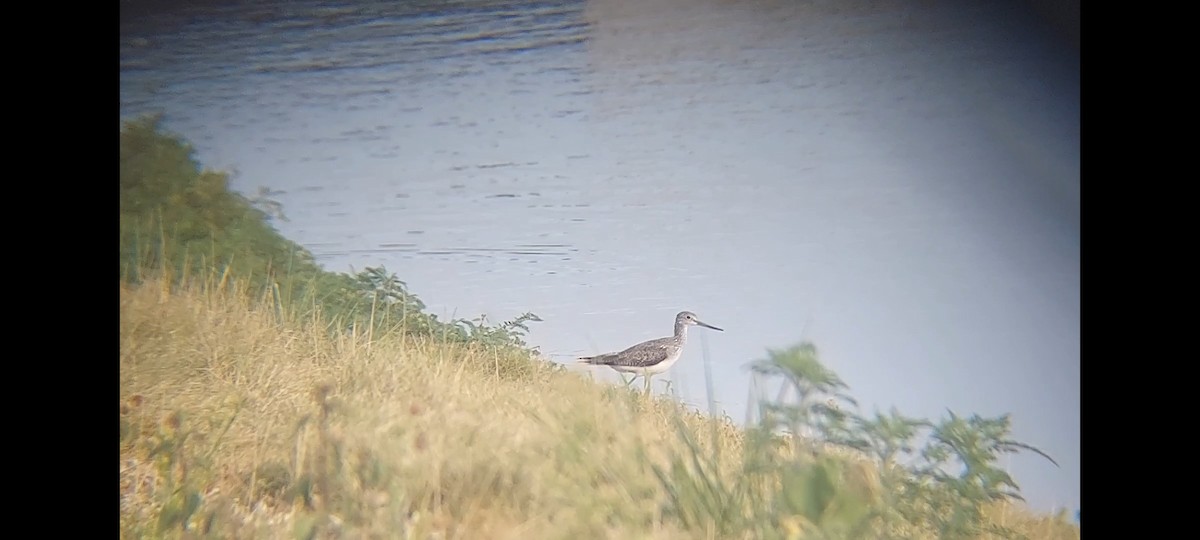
{"x":706,"y":325}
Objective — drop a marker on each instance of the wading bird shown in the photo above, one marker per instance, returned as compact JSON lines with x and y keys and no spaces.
{"x":650,"y":358}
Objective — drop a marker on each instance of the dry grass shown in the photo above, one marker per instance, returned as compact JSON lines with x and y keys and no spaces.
{"x":1031,"y":525}
{"x":281,"y":429}
{"x":413,"y":439}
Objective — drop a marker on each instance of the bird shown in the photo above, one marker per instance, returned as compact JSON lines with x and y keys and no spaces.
{"x":650,"y":358}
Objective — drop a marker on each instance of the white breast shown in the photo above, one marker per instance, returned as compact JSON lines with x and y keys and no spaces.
{"x":665,"y":364}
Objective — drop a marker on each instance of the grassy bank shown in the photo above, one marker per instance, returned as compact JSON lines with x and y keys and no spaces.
{"x":236,"y":423}
{"x":263,"y":397}
{"x":278,"y":427}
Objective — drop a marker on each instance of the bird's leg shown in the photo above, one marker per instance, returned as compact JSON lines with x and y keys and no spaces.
{"x":647,"y":379}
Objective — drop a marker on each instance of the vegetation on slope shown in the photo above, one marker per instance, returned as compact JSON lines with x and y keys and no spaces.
{"x":179,"y":222}
{"x":264,"y":397}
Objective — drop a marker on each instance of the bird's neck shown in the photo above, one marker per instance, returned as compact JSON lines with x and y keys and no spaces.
{"x":681,"y":331}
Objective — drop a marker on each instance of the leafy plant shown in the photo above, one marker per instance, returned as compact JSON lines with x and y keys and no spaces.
{"x":814,"y":468}
{"x":960,"y":472}
{"x":819,"y":408}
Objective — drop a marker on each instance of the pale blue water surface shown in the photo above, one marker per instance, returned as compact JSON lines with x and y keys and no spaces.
{"x":896,"y":181}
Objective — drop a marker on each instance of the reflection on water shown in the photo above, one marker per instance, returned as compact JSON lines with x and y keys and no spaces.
{"x":897,"y":182}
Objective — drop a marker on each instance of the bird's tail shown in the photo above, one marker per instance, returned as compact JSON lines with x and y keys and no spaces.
{"x":598,"y":360}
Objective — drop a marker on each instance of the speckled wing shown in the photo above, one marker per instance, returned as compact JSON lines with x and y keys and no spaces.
{"x":644,"y":354}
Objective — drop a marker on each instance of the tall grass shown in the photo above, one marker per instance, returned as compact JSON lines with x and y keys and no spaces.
{"x":236,"y":423}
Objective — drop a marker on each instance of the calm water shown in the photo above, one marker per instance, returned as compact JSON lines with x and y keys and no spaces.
{"x":898,"y":183}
